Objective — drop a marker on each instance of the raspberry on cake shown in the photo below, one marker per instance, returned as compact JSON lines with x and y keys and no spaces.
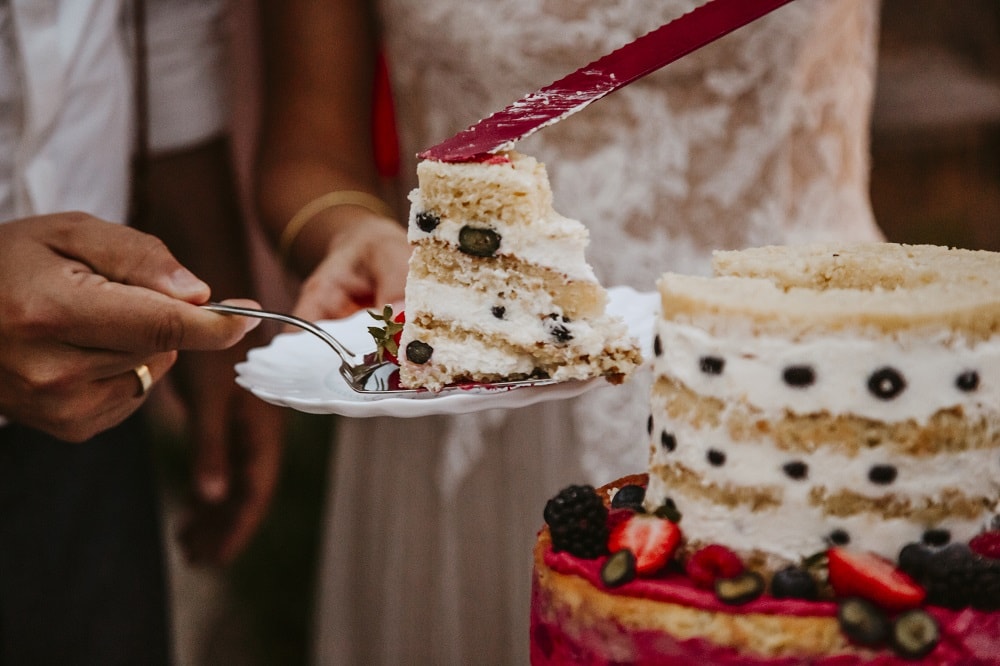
{"x":498,"y":284}
{"x":825,"y":433}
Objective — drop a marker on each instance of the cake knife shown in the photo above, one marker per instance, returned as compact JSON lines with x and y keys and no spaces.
{"x":605,"y":75}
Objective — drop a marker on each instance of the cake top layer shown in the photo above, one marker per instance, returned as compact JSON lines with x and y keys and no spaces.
{"x":508,"y":188}
{"x":798,"y":291}
{"x":506,"y":200}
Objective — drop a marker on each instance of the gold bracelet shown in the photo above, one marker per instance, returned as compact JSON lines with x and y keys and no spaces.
{"x":321,"y":203}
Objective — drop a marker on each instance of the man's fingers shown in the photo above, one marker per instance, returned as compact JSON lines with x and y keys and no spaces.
{"x":211,"y":465}
{"x":218,"y":532}
{"x":104,"y":286}
{"x":76,"y":415}
{"x":128,"y":256}
{"x":115,"y":316}
{"x":142,"y":377}
{"x":260,"y":470}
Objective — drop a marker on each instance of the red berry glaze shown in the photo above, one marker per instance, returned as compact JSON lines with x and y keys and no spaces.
{"x":986,"y":544}
{"x":652,"y":540}
{"x":710,"y":563}
{"x":866,"y":575}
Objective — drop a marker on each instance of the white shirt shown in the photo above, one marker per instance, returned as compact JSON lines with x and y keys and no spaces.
{"x":66,"y":107}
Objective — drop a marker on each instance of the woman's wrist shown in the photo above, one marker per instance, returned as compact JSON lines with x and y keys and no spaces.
{"x":318,"y":212}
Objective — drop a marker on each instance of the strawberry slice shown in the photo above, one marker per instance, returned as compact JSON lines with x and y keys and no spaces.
{"x":398,"y":335}
{"x":652,"y":541}
{"x":866,"y":575}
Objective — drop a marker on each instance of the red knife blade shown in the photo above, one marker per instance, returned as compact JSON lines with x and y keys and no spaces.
{"x":605,"y":75}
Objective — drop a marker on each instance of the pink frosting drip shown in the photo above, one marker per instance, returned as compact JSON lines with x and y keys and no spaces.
{"x":968,"y":637}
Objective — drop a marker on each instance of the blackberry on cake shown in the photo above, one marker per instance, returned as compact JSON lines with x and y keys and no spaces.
{"x":578,"y":521}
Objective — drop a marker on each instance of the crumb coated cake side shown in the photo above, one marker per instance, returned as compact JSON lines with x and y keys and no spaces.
{"x":829,"y":395}
{"x":499,"y":286}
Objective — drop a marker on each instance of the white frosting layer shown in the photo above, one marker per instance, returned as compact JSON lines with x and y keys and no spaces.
{"x":758,"y":464}
{"x":458,"y":356}
{"x":842,"y":365}
{"x":554,"y":242}
{"x":750,"y":370}
{"x":792,"y":531}
{"x":471,"y":354}
{"x":525,"y":320}
{"x":798,"y":527}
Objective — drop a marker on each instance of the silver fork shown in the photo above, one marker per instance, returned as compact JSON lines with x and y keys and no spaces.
{"x":359,"y":375}
{"x":356,"y":373}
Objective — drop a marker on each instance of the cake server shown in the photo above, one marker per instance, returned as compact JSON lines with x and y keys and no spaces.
{"x":605,"y":75}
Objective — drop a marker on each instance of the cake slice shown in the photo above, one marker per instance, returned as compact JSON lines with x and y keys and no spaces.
{"x":498,"y":286}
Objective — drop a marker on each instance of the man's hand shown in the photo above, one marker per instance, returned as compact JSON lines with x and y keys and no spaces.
{"x":82,"y":303}
{"x":237,"y":442}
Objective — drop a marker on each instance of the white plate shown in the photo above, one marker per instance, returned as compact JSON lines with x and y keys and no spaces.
{"x":298,"y":370}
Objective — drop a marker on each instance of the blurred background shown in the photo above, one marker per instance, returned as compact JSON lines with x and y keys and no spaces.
{"x":936,"y":125}
{"x":935,"y":179}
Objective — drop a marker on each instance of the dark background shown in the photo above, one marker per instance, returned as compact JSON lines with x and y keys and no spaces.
{"x":936,"y":127}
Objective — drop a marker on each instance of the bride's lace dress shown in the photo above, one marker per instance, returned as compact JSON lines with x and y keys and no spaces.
{"x":759,"y":138}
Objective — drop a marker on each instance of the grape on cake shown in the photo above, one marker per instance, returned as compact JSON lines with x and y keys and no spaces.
{"x":498,"y":285}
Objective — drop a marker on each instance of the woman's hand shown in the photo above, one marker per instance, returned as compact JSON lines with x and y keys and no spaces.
{"x":365,"y":266}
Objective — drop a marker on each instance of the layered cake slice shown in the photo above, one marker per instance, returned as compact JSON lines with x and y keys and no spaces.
{"x":824,"y":477}
{"x":499,"y":286}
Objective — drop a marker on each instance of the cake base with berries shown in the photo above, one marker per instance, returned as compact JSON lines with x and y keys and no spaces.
{"x":498,"y":286}
{"x":579,"y":615}
{"x":824,"y":474}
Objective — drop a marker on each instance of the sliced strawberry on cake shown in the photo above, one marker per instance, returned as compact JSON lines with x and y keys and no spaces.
{"x":651,"y":540}
{"x":866,"y":575}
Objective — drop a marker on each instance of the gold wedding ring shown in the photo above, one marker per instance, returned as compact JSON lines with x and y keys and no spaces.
{"x":144,"y":377}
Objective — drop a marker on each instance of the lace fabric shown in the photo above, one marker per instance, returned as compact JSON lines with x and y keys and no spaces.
{"x":759,"y":138}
